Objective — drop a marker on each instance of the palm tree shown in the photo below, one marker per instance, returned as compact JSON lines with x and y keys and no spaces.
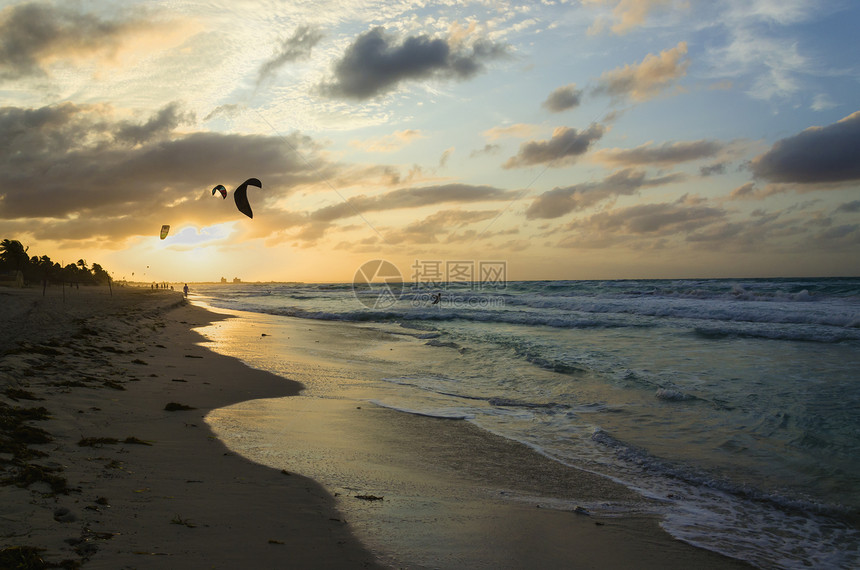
{"x":12,"y":253}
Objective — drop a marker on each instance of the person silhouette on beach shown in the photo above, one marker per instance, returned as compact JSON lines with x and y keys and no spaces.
{"x":185,"y":289}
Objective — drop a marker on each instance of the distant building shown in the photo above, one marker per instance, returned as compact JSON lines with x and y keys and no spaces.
{"x":223,"y":280}
{"x":236,"y":280}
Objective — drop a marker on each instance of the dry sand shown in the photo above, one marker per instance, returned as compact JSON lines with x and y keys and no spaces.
{"x":105,"y":367}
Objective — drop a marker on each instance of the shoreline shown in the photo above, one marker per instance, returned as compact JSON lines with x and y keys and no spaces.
{"x":107,"y":368}
{"x":152,"y":487}
{"x":451,"y":494}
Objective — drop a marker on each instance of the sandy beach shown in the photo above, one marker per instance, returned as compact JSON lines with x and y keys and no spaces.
{"x":149,"y":488}
{"x":107,"y":462}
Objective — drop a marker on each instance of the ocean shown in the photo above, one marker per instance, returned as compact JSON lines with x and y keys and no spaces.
{"x":735,"y":403}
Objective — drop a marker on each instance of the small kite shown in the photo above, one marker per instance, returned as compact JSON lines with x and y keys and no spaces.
{"x":164,"y":229}
{"x":240,"y":195}
{"x":221,"y":189}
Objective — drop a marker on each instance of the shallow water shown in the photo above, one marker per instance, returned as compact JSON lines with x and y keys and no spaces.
{"x":735,"y":403}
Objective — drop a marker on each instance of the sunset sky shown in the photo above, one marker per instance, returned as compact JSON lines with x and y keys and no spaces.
{"x":580,"y":139}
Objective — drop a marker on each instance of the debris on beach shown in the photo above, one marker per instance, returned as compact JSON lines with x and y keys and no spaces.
{"x":97,"y":441}
{"x":136,"y":441}
{"x":369,"y":497}
{"x":176,"y":407}
{"x":184,"y":522}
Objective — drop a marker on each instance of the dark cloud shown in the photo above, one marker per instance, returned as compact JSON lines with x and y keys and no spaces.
{"x":563,"y":98}
{"x":666,"y":154}
{"x":849,"y":207}
{"x":161,"y":124}
{"x":560,"y":201}
{"x":817,"y":155}
{"x":33,"y":34}
{"x":376,"y":62}
{"x":74,"y":170}
{"x":296,"y":47}
{"x":713,"y":169}
{"x":565,"y":145}
{"x":412,"y":198}
{"x":230,"y":111}
{"x":655,"y":219}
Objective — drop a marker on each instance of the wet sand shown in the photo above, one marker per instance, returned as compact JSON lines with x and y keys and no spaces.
{"x":152,"y":488}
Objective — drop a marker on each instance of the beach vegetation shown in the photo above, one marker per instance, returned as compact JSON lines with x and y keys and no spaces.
{"x":15,"y":258}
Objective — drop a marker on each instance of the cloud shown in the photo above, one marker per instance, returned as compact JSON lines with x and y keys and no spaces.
{"x":560,"y":201}
{"x":652,"y":219}
{"x":816,"y":155}
{"x":822,"y":102}
{"x":296,"y":47}
{"x":443,"y":222}
{"x":412,"y":198}
{"x":161,"y":124}
{"x":666,"y":154}
{"x":230,"y":111}
{"x":563,"y":98}
{"x":565,"y":145}
{"x":75,"y":171}
{"x":34,"y":35}
{"x":761,"y":47}
{"x":849,"y":207}
{"x":648,"y":79}
{"x":488,"y":149}
{"x":743,"y":192}
{"x":446,"y":154}
{"x":518,"y":130}
{"x":389,"y":143}
{"x":376,"y":63}
{"x":712,"y":169}
{"x":626,"y":14}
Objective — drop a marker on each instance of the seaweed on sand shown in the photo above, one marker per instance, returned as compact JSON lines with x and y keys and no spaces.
{"x":20,"y":394}
{"x":100,"y":441}
{"x":30,"y":558}
{"x":15,"y":435}
{"x":29,"y":473}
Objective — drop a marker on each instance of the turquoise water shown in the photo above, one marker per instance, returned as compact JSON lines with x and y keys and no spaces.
{"x":736,"y":403}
